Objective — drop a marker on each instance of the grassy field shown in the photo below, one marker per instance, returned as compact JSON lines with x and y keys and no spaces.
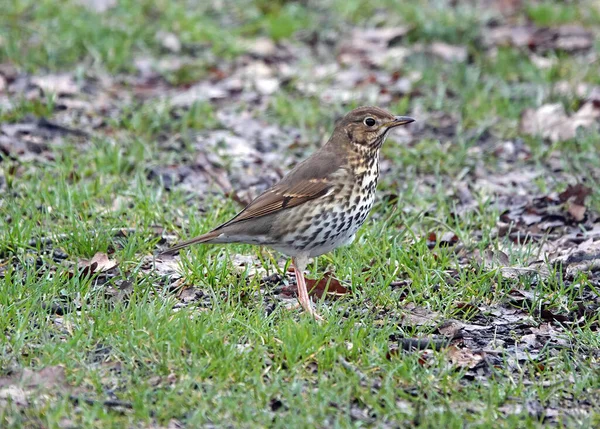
{"x":128,"y":125}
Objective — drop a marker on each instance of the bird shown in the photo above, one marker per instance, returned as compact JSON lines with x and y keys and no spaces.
{"x":321,"y":203}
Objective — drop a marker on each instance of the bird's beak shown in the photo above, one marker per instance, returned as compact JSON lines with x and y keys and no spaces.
{"x":400,"y":120}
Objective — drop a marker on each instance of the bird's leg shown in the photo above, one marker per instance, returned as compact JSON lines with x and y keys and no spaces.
{"x":299,"y":266}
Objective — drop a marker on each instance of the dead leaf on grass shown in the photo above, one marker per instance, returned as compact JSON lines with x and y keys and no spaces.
{"x":59,"y":84}
{"x":414,"y":315}
{"x":21,"y":387}
{"x":165,"y":265}
{"x":464,"y":358}
{"x":202,"y":91}
{"x":99,"y":263}
{"x":568,"y":38}
{"x":328,"y":284}
{"x":574,"y":196}
{"x":450,"y":53}
{"x":190,"y":294}
{"x":500,"y":261}
{"x":373,"y":46}
{"x":48,"y":377}
{"x":582,"y":258}
{"x":551,"y":122}
{"x":31,"y":139}
{"x":579,"y":90}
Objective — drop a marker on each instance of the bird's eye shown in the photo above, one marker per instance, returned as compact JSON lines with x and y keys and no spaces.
{"x":369,"y":122}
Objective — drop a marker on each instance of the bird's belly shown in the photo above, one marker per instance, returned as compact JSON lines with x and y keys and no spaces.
{"x":329,"y":227}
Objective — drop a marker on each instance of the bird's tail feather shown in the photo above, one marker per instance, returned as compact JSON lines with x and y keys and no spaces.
{"x":204,"y":238}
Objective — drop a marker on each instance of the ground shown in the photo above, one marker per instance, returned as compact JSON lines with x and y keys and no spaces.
{"x":469,"y":298}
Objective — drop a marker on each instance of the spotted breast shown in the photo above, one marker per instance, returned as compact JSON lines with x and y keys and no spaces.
{"x":334,"y":220}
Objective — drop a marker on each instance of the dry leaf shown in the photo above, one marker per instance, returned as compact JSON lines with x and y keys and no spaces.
{"x":569,"y":38}
{"x":13,"y":394}
{"x":98,"y":264}
{"x":190,"y":294}
{"x":575,"y":193}
{"x":60,"y":84}
{"x":48,"y":377}
{"x":261,"y":47}
{"x":373,"y":46}
{"x":19,"y":387}
{"x":584,"y":257}
{"x":449,"y":52}
{"x":577,"y":211}
{"x":464,"y":358}
{"x":414,"y":315}
{"x":327,"y":284}
{"x":575,"y":196}
{"x":381,"y":37}
{"x":551,"y":122}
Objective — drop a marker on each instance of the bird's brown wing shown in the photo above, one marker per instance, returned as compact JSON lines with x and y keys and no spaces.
{"x":282,"y":197}
{"x":309,"y":180}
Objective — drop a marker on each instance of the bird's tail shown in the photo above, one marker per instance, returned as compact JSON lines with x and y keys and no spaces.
{"x":204,"y":238}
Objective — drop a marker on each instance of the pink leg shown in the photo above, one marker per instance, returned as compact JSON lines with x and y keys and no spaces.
{"x":303,"y":297}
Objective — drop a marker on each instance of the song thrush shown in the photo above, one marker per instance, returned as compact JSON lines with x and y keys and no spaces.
{"x":321,"y":203}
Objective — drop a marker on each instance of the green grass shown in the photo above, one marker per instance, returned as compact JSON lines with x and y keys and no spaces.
{"x":237,"y":356}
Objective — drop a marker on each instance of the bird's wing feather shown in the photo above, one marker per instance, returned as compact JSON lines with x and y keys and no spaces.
{"x":305,"y":182}
{"x":280,"y":198}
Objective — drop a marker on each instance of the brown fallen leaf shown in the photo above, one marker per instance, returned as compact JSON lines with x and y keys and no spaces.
{"x":580,"y":90}
{"x":568,"y":38}
{"x":464,"y":358}
{"x":447,"y":239}
{"x":575,"y":193}
{"x":450,"y":53}
{"x":574,"y":197}
{"x":372,"y":45}
{"x":584,"y":257}
{"x":577,"y":211}
{"x":190,"y":294}
{"x":49,"y":377}
{"x":414,"y":315}
{"x":551,"y":122}
{"x":328,"y":284}
{"x":19,"y":387}
{"x":59,"y":84}
{"x":98,"y":264}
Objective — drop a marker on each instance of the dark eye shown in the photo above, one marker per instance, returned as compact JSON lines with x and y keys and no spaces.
{"x":369,"y":122}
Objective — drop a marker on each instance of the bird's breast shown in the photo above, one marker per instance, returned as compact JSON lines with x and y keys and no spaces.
{"x":321,"y":225}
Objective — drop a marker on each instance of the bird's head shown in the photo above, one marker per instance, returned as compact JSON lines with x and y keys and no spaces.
{"x":368,"y":127}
